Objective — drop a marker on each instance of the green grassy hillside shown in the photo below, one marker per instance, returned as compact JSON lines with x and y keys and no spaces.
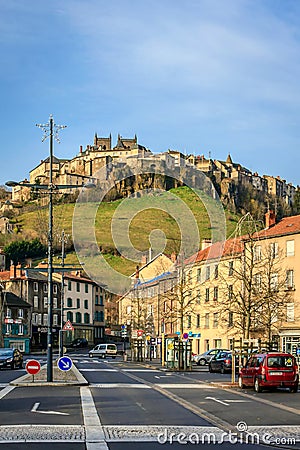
{"x":151,"y":214}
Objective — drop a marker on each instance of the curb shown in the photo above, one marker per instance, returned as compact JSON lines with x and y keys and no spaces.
{"x":26,"y":380}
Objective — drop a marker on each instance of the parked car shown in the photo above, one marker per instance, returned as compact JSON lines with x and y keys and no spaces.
{"x":270,"y":370}
{"x":79,"y":343}
{"x":222,"y":362}
{"x":205,"y":357}
{"x":104,"y":350}
{"x":11,"y":358}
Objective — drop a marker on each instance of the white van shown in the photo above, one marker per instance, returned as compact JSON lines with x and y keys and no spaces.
{"x":103,"y":350}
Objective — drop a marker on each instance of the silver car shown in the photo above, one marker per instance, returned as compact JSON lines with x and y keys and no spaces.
{"x":205,"y":357}
{"x":103,"y":350}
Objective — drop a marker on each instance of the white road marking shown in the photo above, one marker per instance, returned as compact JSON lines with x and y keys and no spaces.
{"x":98,"y":370}
{"x":139,"y":370}
{"x":141,"y":406}
{"x":184,"y":386}
{"x":217,"y":400}
{"x":95,"y":439}
{"x":36,"y":405}
{"x":6,"y":391}
{"x":120,"y":385}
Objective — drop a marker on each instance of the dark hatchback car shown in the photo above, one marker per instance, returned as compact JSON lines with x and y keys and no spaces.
{"x":270,"y":370}
{"x":222,"y":362}
{"x":10,"y":358}
{"x":79,"y":343}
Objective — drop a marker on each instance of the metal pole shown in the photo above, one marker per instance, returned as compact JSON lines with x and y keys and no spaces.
{"x":50,"y":262}
{"x":61,"y":332}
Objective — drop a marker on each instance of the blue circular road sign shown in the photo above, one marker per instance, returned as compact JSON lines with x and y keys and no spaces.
{"x":64,"y":363}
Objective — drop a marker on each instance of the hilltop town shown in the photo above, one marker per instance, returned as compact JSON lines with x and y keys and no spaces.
{"x":235,"y":184}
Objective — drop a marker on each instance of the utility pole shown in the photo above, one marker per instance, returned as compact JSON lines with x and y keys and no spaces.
{"x":50,"y":129}
{"x":61,"y":331}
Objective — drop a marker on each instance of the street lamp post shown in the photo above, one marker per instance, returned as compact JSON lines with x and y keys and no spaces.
{"x":50,"y":130}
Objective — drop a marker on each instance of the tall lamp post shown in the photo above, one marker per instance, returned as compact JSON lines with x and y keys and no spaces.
{"x":50,"y":130}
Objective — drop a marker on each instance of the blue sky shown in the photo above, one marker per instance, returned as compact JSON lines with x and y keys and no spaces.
{"x":199,"y":76}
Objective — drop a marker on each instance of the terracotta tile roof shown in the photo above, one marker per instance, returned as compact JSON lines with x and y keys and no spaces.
{"x":217,"y":250}
{"x":286,"y":226}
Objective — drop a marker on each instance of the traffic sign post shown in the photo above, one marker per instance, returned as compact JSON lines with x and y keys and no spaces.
{"x":64,"y":363}
{"x":32,"y":367}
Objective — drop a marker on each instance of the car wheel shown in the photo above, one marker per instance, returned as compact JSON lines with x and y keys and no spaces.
{"x":294,"y":388}
{"x":201,"y":362}
{"x":257,"y":386}
{"x":240,"y":382}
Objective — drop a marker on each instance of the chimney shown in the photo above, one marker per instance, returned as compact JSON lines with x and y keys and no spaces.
{"x":80,"y":149}
{"x":143,"y":260}
{"x":137,"y":272}
{"x":205,"y":243}
{"x":270,"y":219}
{"x":18,"y":270}
{"x":12,"y":271}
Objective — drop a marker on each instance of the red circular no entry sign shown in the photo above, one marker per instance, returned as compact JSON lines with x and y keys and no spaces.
{"x":32,"y":366}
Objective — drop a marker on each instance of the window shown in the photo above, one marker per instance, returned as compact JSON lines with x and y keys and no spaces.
{"x":216,"y":292}
{"x":230,"y":319}
{"x":216,"y":271}
{"x":8,"y":328}
{"x":128,"y":309}
{"x":69,"y":302}
{"x":69,"y":285}
{"x":290,"y":248}
{"x":86,"y":304}
{"x":217,"y":343}
{"x":39,"y":319}
{"x":215,"y":320}
{"x":257,"y":252}
{"x":274,"y":249}
{"x":274,"y":282}
{"x":207,"y":294}
{"x":290,"y":279}
{"x":45,"y":287}
{"x":290,"y":313}
{"x":207,"y":273}
{"x":8,"y":312}
{"x":206,"y":319}
{"x":86,"y":288}
{"x":230,"y":292}
{"x":55,"y":303}
{"x":101,"y":299}
{"x":36,"y":302}
{"x":206,"y":344}
{"x":230,"y":270}
{"x":257,"y":283}
{"x":78,"y":303}
{"x":55,"y":319}
{"x":55,"y":289}
{"x":45,"y":302}
{"x":78,"y":287}
{"x":86,"y":318}
{"x":78,"y":317}
{"x":199,"y":275}
{"x":35,"y":286}
{"x":70,"y":316}
{"x":34,"y":318}
{"x":198,"y":298}
{"x":189,"y":321}
{"x":45,"y":319}
{"x":198,"y":321}
{"x":20,"y":313}
{"x":96,"y":299}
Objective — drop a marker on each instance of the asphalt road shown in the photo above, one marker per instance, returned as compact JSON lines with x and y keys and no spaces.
{"x":133,"y":406}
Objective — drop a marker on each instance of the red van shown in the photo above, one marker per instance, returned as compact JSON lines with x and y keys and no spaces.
{"x":270,"y":370}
